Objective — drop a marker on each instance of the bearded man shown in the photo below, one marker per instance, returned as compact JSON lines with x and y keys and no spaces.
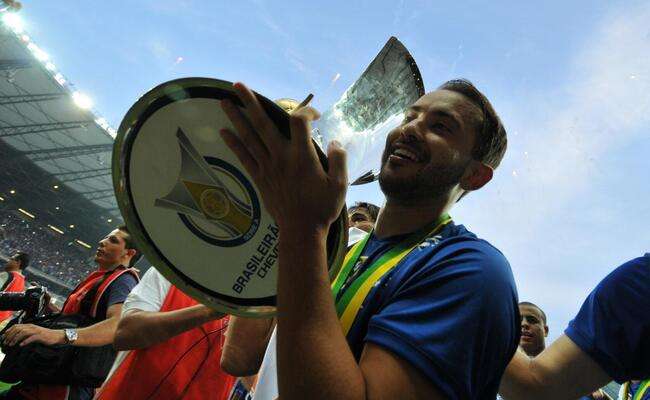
{"x":422,"y":308}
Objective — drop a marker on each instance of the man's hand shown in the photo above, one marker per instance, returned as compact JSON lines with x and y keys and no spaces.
{"x":24,"y":334}
{"x":295,"y":188}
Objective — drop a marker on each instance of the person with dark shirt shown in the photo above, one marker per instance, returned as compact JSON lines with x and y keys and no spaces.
{"x":422,"y":308}
{"x":115,"y":254}
{"x":362,"y":216}
{"x":608,"y":339}
{"x":12,"y":278}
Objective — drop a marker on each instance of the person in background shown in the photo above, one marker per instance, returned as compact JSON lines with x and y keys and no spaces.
{"x":534,"y":330}
{"x":171,"y":346}
{"x":608,"y":340}
{"x":112,"y":281}
{"x":363,"y":216}
{"x":361,"y":219}
{"x":12,"y":278}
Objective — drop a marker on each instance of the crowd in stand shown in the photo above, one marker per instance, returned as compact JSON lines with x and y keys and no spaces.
{"x":51,"y":253}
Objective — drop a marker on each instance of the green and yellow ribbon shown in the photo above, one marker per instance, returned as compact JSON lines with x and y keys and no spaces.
{"x":348,"y":306}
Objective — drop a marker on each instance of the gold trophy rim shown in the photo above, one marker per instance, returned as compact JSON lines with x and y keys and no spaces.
{"x":126,"y":133}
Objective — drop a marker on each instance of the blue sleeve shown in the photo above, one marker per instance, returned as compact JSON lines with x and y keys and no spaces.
{"x":116,"y":293}
{"x":456,"y":320}
{"x":613,"y":324}
{"x":121,"y":288}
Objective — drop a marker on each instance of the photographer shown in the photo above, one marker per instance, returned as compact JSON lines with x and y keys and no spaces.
{"x":110,"y":284}
{"x":12,"y":279}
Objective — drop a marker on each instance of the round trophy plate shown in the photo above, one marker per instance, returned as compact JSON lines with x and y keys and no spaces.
{"x":192,"y":208}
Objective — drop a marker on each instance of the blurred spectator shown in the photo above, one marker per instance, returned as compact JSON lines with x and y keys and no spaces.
{"x":50,"y":253}
{"x":12,"y":279}
{"x":363,"y":216}
{"x":109,"y":285}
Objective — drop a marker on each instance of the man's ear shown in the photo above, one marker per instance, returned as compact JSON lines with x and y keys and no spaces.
{"x":130,"y":253}
{"x":545,"y":330}
{"x":476,"y":176}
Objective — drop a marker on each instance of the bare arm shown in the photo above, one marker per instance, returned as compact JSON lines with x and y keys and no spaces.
{"x":314,"y":359}
{"x":313,"y":354}
{"x":562,"y":371}
{"x":141,"y":329}
{"x":246,"y":341}
{"x":99,"y":334}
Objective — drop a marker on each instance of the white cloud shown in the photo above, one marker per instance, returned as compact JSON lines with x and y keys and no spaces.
{"x":549,"y":225}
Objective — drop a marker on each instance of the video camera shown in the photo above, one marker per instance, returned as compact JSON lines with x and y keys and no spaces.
{"x":32,"y":302}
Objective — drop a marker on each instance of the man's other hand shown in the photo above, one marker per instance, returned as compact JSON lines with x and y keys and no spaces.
{"x":24,"y":334}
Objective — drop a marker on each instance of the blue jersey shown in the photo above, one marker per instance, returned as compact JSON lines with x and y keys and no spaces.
{"x":449,"y":308}
{"x":613,"y":325}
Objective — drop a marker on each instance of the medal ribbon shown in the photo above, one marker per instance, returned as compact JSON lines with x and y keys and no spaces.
{"x":347,"y":307}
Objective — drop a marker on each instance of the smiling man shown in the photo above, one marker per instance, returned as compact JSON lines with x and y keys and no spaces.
{"x":423,"y":308}
{"x":110,"y":284}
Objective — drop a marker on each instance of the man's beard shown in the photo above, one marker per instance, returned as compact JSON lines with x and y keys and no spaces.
{"x":430,"y":182}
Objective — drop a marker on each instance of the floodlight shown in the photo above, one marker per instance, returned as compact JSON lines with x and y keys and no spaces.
{"x":84,"y":244}
{"x":102,"y":122}
{"x":82,"y":101}
{"x":71,"y":226}
{"x":30,"y":215}
{"x":12,"y":191}
{"x":38,"y":52}
{"x":55,"y":229}
{"x":13,"y":21}
{"x":60,"y":79}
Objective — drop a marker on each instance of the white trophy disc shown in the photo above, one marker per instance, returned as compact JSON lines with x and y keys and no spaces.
{"x":190,"y":205}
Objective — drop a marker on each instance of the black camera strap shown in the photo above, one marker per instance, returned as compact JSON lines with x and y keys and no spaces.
{"x":89,"y":298}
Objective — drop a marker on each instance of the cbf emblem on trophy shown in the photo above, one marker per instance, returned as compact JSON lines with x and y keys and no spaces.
{"x":205,"y":202}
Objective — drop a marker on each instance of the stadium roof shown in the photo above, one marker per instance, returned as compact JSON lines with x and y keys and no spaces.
{"x":44,"y":118}
{"x":55,"y":150}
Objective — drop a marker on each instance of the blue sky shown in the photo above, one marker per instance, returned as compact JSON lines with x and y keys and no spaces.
{"x":570,"y":80}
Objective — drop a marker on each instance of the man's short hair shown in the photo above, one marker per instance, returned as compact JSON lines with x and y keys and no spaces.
{"x":491,"y":140}
{"x":528,"y":303}
{"x":372,"y":209}
{"x":130,"y":244}
{"x":23,"y":258}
